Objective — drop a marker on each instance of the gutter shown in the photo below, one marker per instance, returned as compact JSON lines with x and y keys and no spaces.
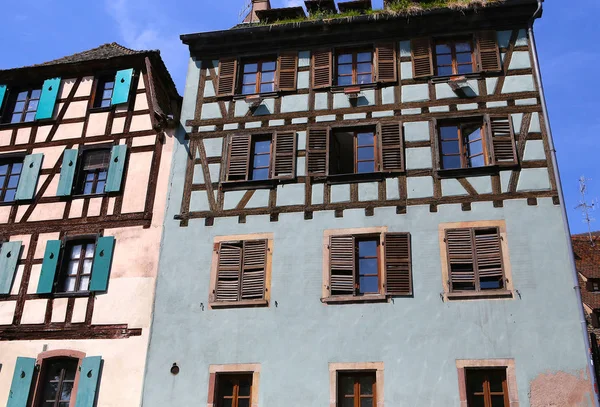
{"x":561,"y":197}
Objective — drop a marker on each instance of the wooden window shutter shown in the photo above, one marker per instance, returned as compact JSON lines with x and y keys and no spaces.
{"x":122,"y":87}
{"x":47,"y":102}
{"x":489,"y":53}
{"x":102,"y":263}
{"x":317,"y":151}
{"x":322,"y":67}
{"x":461,"y":259}
{"x":32,"y":164}
{"x":287,"y":71}
{"x":488,"y":252}
{"x":9,"y":257}
{"x":227,"y":77}
{"x":67,"y":172}
{"x":89,"y":378}
{"x":254,"y":271}
{"x":21,"y":382}
{"x":239,"y":157}
{"x":501,"y":143}
{"x":422,"y":57}
{"x":228,"y":272}
{"x":2,"y":93}
{"x":285,"y":155}
{"x":116,"y":168}
{"x":391,"y":146}
{"x":387,"y":67}
{"x":49,"y":267}
{"x":342,"y":265}
{"x":398,"y":262}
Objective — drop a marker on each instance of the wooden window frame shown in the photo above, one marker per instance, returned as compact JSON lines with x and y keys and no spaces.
{"x":356,"y":367}
{"x":254,"y":138}
{"x":451,"y":42}
{"x":354,"y":52}
{"x":501,"y":294}
{"x":462,"y":365}
{"x":258,"y":75}
{"x":264,"y":302}
{"x":462,"y":143}
{"x":234,"y":369}
{"x":65,"y":258}
{"x":10,"y":160}
{"x":11,"y":101}
{"x":354,"y":131}
{"x":80,"y":175}
{"x":42,"y":362}
{"x":98,"y":92}
{"x":356,"y":396}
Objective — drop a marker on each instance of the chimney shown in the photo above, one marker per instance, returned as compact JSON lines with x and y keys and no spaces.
{"x":256,"y":6}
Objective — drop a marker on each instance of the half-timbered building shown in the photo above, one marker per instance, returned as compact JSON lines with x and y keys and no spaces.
{"x":366,"y":211}
{"x":85,"y":152}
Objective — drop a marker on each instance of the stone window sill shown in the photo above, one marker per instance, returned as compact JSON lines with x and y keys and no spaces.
{"x":244,"y":185}
{"x":238,"y":304}
{"x":349,"y":299}
{"x":479,"y":295}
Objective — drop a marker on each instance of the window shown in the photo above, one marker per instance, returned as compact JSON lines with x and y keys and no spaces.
{"x":487,"y":387}
{"x":104,"y":91}
{"x":369,"y":265}
{"x":592,"y":285}
{"x":57,"y":382}
{"x":353,"y":152}
{"x":354,"y":68}
{"x":454,"y":57}
{"x":22,"y":106}
{"x":462,"y":145}
{"x":356,"y":389}
{"x":10,"y":173}
{"x":94,"y":171}
{"x":241,"y":270}
{"x":261,"y":157}
{"x":234,"y":390}
{"x":77,"y":266}
{"x":259,"y":77}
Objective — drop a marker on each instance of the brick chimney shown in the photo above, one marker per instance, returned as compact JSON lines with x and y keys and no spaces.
{"x":257,"y":5}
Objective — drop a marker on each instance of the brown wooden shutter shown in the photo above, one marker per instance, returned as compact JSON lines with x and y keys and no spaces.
{"x":317,"y":150}
{"x":341,"y":265}
{"x":422,"y":57}
{"x":239,"y":157}
{"x":228,"y":272}
{"x":398,"y":273}
{"x":387,"y":67}
{"x":287,"y":71}
{"x":285,"y":155}
{"x":227,"y":77}
{"x":254,"y":269}
{"x":461,"y":261}
{"x":489,"y":53}
{"x":488,"y":251}
{"x":391,"y":146}
{"x":501,"y":143}
{"x":321,"y":69}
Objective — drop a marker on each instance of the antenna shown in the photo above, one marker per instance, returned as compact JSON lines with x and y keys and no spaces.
{"x":586,"y":208}
{"x":244,"y":11}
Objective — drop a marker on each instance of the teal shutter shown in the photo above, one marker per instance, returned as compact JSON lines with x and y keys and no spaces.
{"x":115,"y":169}
{"x":67,"y":173}
{"x":29,"y":176}
{"x":21,"y":383}
{"x":2,"y":93}
{"x":102,"y":262}
{"x":9,"y":256}
{"x":122,"y":87}
{"x":89,"y":377}
{"x":47,"y":101}
{"x":49,"y":267}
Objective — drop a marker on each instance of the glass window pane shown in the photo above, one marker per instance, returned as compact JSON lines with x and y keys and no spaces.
{"x":76,"y":251}
{"x":13,"y":181}
{"x":65,"y":394}
{"x":3,"y":169}
{"x":16,"y":118}
{"x":2,"y":181}
{"x":87,"y":189}
{"x":364,"y":57}
{"x":100,"y":187}
{"x":16,"y":168}
{"x":345,"y":59}
{"x":465,"y":68}
{"x":87,"y":267}
{"x":249,"y":78}
{"x":267,"y":88}
{"x":226,"y":387}
{"x":262,"y":160}
{"x":105,"y":103}
{"x":463,"y":58}
{"x":366,"y":385}
{"x":84,"y":283}
{"x":475,"y":148}
{"x":367,"y":248}
{"x":19,"y":107}
{"x":347,"y":385}
{"x":444,"y":59}
{"x":450,"y":147}
{"x":22,"y":96}
{"x":446,"y":70}
{"x":463,"y":47}
{"x":69,"y":285}
{"x":35,"y":94}
{"x":227,"y":402}
{"x":246,"y":90}
{"x":348,"y":402}
{"x":442,"y":49}
{"x":50,"y":390}
{"x":32,"y":106}
{"x":262,"y":146}
{"x":449,"y":132}
{"x":89,"y":250}
{"x":451,"y":161}
{"x":366,"y":167}
{"x":244,"y":388}
{"x":496,"y":377}
{"x":366,"y":153}
{"x":89,"y":176}
{"x":109,"y":85}
{"x":478,"y":401}
{"x":73,"y":267}
{"x":345,"y":70}
{"x":478,"y":161}
{"x":102,"y":175}
{"x":107,"y":94}
{"x":368,"y":285}
{"x":29,"y":117}
{"x":367,"y":266}
{"x":498,"y":401}
{"x":250,"y":68}
{"x":262,"y":173}
{"x":268,"y":77}
{"x":10,"y":195}
{"x":344,"y":80}
{"x":368,"y":78}
{"x":365,"y":139}
{"x":366,"y":402}
{"x":364,"y":68}
{"x":491,"y":283}
{"x":243,"y":402}
{"x":268,"y":66}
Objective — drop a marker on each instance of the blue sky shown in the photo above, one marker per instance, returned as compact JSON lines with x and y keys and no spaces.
{"x":35,"y":31}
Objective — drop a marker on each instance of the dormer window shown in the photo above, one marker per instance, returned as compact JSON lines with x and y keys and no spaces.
{"x":354,"y":67}
{"x":259,"y":76}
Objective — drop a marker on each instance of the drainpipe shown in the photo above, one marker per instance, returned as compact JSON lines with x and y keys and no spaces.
{"x":536,"y":66}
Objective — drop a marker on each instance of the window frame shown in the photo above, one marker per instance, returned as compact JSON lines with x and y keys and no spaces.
{"x":337,"y":368}
{"x":10,"y":102}
{"x":506,"y":293}
{"x":64,"y":260}
{"x":265,"y":301}
{"x":101,"y":79}
{"x":258,"y":75}
{"x":255,"y":138}
{"x":42,"y":361}
{"x":354,"y":52}
{"x":214,"y":371}
{"x":355,"y":131}
{"x":235,"y":395}
{"x":79,"y":181}
{"x":12,"y":158}
{"x":463,"y":149}
{"x":451,"y":42}
{"x":357,"y":396}
{"x":462,"y":365}
{"x":487,"y":393}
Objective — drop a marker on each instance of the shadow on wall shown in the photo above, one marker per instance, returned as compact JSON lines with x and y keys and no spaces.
{"x":180,"y":135}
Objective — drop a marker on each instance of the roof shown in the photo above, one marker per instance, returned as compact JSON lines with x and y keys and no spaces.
{"x":587,"y":262}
